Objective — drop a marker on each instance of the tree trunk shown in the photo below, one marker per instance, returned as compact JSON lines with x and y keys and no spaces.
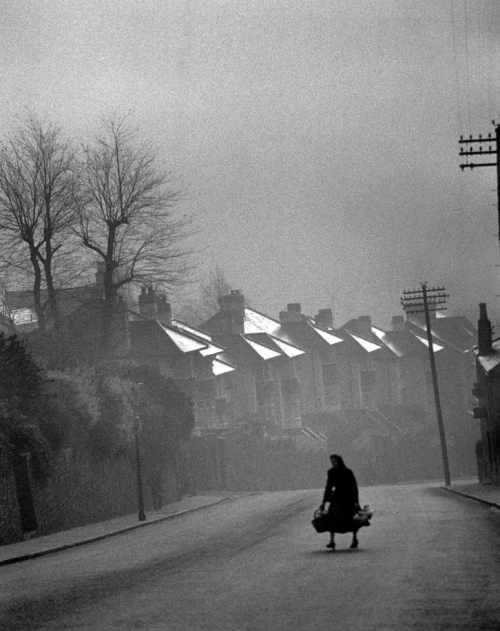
{"x":52,"y":296}
{"x":37,"y":291}
{"x":108,"y":308}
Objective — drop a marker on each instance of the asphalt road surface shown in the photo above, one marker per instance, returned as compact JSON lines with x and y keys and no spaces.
{"x":429,"y":561}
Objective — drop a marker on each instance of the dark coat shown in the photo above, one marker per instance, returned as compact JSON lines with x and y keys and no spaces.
{"x":341,"y":487}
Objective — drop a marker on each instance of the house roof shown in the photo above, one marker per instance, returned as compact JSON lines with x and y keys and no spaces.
{"x":21,"y":302}
{"x":368,"y":338}
{"x":285,"y":348}
{"x":308,"y":336}
{"x":456,"y":332}
{"x":290,"y":338}
{"x":242,"y":349}
{"x":368,"y":345}
{"x":220,"y":367}
{"x":490,"y":363}
{"x":210,"y":348}
{"x":256,"y":322}
{"x":155,"y":338}
{"x":402,"y":343}
{"x":185,"y":343}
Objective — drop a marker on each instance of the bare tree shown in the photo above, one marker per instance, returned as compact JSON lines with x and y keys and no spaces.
{"x":205,"y":303}
{"x":38,"y":192}
{"x":127,"y":219}
{"x":216,"y":286}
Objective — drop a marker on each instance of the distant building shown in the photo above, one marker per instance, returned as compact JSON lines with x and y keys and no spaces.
{"x":487,"y":392}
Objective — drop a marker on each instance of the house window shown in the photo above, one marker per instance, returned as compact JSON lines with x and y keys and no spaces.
{"x":330,"y":385}
{"x":292,"y":401}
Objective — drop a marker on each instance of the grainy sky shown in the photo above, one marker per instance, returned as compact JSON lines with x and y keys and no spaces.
{"x":318,"y":140}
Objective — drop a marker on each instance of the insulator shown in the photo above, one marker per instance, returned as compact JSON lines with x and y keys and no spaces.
{"x":470,"y":137}
{"x":461,"y":137}
{"x":480,"y":136}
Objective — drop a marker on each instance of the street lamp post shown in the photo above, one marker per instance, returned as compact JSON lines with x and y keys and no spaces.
{"x":137,"y":427}
{"x":140,"y":494}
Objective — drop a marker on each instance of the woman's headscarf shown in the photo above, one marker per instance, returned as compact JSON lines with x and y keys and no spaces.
{"x":340,"y":461}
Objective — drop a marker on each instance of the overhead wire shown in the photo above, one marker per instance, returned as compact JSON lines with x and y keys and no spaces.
{"x":455,"y":63}
{"x":442,"y":236}
{"x":467,"y":64}
{"x":472,"y":29}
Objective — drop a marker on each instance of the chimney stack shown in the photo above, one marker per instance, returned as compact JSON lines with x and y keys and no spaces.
{"x":324,"y":318}
{"x":398,"y":323}
{"x":484,"y":332}
{"x":293,"y":313}
{"x":365,"y":326}
{"x":152,"y":305}
{"x":232,"y":312}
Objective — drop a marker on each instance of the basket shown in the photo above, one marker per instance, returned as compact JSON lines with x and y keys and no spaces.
{"x":320,"y":520}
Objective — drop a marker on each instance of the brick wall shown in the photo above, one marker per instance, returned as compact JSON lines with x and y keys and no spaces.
{"x":81,"y":491}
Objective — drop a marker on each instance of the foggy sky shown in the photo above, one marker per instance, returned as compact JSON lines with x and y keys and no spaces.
{"x":317,"y":140}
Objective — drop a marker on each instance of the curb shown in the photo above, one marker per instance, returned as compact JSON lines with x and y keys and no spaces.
{"x":75,"y":544}
{"x":472,"y":497}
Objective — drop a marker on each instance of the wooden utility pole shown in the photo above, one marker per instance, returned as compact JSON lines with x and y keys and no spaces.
{"x":477,"y":147}
{"x":426,"y":300}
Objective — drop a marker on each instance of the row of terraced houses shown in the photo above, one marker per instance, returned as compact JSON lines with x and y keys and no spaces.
{"x":358,"y":389}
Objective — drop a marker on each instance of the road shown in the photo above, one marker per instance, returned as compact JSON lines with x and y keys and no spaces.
{"x":430,"y":561}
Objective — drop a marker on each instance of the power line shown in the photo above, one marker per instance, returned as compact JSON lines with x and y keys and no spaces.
{"x":467,"y":68}
{"x":476,"y":147}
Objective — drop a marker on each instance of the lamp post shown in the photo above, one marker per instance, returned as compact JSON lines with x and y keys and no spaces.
{"x":140,"y":493}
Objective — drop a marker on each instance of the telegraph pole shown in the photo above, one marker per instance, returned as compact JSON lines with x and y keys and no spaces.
{"x":477,"y":147}
{"x":426,"y":300}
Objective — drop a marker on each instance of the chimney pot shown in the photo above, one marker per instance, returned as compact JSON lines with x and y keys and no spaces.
{"x":484,"y":332}
{"x":232,"y":309}
{"x":324,"y":318}
{"x":398,"y":323}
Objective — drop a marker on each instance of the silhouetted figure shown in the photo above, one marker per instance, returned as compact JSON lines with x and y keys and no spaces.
{"x":341,"y":491}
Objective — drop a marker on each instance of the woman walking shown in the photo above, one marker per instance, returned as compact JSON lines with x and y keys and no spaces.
{"x":341,"y":491}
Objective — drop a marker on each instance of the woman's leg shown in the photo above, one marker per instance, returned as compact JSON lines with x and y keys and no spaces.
{"x":354,"y":543}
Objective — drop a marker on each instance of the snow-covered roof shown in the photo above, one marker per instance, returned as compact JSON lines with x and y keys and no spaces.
{"x":436,"y":347}
{"x":220,"y":367}
{"x":184,"y":343}
{"x":191,"y":329}
{"x":328,"y":337}
{"x":366,"y":344}
{"x":264,"y":351}
{"x":289,"y":349}
{"x":256,"y":322}
{"x":490,"y":362}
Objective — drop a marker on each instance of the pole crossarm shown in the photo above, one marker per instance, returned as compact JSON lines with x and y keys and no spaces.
{"x":413,"y":300}
{"x":478,"y":151}
{"x":476,"y":147}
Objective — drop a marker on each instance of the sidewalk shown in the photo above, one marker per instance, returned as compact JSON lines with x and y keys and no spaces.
{"x":47,"y":544}
{"x":486,"y":494}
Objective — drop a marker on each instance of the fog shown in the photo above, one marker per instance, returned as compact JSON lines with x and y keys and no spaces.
{"x":317,"y":140}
